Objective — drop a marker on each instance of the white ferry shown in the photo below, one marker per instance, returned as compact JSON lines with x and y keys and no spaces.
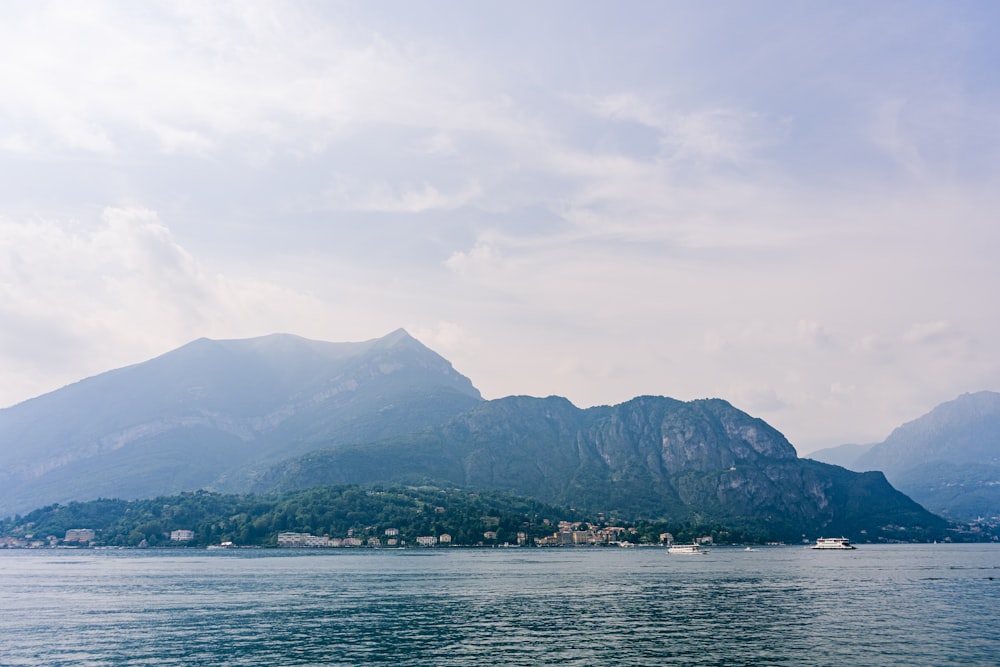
{"x":686,"y":549}
{"x":833,"y":543}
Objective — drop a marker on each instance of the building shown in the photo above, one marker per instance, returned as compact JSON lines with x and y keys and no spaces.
{"x":181,"y":535}
{"x":392,"y":532}
{"x":444,"y":538}
{"x":298,"y":540}
{"x":427,"y":540}
{"x":80,"y":535}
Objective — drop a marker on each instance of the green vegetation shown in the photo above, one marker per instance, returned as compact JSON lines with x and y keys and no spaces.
{"x":367,"y":512}
{"x":337,"y":511}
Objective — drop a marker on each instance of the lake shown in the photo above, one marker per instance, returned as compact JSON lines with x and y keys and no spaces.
{"x":879,"y":605}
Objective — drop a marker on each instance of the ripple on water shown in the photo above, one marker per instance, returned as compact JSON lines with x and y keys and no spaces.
{"x":898,"y":605}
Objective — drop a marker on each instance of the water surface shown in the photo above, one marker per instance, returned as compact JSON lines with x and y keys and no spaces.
{"x":906,"y":604}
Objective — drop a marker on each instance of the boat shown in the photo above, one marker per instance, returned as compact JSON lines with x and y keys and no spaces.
{"x":224,"y":545}
{"x":686,"y":549}
{"x":833,"y":543}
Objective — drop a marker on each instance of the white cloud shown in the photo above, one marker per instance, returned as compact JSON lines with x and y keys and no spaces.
{"x":691,"y":136}
{"x":78,"y":298}
{"x":346,"y":195}
{"x":16,"y":143}
{"x":890,"y":135}
{"x":813,"y":334}
{"x":443,"y":337}
{"x":186,"y":74}
{"x":929,"y":332}
{"x":482,"y":257}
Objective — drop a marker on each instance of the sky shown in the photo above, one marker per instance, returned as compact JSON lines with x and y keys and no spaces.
{"x":788,"y":205}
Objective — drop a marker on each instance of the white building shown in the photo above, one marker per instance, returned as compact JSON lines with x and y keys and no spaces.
{"x":181,"y":535}
{"x":296,"y":540}
{"x":79,"y":535}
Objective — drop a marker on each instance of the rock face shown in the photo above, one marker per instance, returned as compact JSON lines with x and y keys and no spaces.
{"x":213,"y":413}
{"x":651,"y":457}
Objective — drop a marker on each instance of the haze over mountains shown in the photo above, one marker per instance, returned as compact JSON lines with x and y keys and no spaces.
{"x":282,"y":412}
{"x":215,"y":413}
{"x":948,"y":460}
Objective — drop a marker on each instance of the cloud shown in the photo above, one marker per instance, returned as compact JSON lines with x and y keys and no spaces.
{"x":189,"y":77}
{"x":689,"y":136}
{"x":482,"y":257}
{"x":813,"y":334}
{"x":889,"y":134}
{"x":609,"y":203}
{"x":16,"y":143}
{"x":346,"y":195}
{"x":443,"y":336}
{"x":79,"y":298}
{"x":929,"y":333}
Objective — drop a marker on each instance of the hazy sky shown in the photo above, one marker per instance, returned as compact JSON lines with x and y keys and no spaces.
{"x":792,"y":206}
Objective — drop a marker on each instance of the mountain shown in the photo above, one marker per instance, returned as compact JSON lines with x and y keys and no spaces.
{"x":651,"y":457}
{"x":215,"y":412}
{"x":948,"y":460}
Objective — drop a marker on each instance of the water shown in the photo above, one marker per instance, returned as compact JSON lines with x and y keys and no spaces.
{"x":907,"y":605}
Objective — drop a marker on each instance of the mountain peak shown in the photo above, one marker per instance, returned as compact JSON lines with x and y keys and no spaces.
{"x":948,"y":459}
{"x":211,"y":412}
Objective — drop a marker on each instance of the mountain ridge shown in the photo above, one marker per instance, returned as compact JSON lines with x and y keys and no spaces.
{"x":283,"y":411}
{"x":219,"y":410}
{"x":650,"y":457}
{"x":948,"y":459}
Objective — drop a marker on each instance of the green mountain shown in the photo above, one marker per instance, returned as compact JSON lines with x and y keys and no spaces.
{"x":282,"y":413}
{"x":214,"y":413}
{"x":652,"y":458}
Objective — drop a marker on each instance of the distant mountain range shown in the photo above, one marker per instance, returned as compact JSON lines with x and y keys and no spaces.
{"x":282,"y":412}
{"x":948,"y":460}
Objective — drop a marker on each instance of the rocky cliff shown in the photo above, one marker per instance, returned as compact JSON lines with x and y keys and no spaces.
{"x":651,"y":457}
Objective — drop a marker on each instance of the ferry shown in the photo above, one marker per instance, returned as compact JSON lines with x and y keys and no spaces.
{"x":686,"y":549}
{"x":833,"y":543}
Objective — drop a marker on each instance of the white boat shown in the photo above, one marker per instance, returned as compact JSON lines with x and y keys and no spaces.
{"x":224,"y":545}
{"x":833,"y":543}
{"x":686,"y":549}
